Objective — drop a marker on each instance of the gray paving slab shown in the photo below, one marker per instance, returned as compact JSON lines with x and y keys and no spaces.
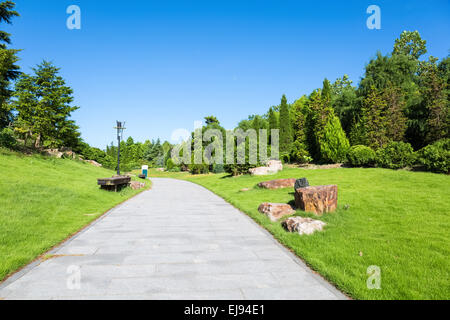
{"x":175,"y":241}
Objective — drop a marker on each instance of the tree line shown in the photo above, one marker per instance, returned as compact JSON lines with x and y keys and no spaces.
{"x":36,"y":109}
{"x":397,"y":116}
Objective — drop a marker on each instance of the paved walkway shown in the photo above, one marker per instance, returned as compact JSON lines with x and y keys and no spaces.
{"x":175,"y":241}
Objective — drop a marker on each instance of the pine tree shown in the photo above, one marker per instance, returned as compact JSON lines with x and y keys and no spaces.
{"x":43,"y":105}
{"x":374,"y":119}
{"x":285,"y":127}
{"x":9,"y":71}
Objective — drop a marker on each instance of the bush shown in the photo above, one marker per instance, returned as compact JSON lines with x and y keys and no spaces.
{"x":238,"y":169}
{"x":174,"y":169}
{"x":361,"y":156}
{"x":170,"y":164}
{"x":199,"y":168}
{"x":332,"y":142}
{"x":218,"y":168}
{"x":436,"y":157}
{"x":395,"y":155}
{"x":299,"y":153}
{"x":7,"y":138}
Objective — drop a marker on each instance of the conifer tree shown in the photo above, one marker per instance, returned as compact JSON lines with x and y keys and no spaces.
{"x":285,"y":127}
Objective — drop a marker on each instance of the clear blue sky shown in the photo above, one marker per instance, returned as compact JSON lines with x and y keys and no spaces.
{"x":161,"y":65}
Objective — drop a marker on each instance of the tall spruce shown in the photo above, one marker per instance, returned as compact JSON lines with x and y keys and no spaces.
{"x":285,"y":127}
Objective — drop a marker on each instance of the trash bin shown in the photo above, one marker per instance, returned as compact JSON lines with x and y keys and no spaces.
{"x":145,"y":170}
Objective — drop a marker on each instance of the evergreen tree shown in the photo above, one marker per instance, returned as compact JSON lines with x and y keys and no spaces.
{"x":285,"y":127}
{"x":9,"y":71}
{"x":43,"y":105}
{"x":374,"y":119}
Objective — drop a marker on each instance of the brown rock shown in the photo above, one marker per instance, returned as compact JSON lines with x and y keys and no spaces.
{"x":275,"y":210}
{"x":317,"y":199}
{"x":303,"y":225}
{"x":279,"y":183}
{"x":135,"y":185}
{"x":94,"y":163}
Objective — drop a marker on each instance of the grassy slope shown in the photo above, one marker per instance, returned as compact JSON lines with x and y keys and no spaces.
{"x":43,"y":201}
{"x":399,"y":220}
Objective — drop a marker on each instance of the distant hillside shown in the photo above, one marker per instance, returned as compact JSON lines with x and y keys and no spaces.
{"x":43,"y":200}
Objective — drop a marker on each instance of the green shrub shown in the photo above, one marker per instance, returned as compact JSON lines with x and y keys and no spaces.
{"x":436,"y":157}
{"x":361,"y":156}
{"x":332,"y":142}
{"x":299,"y":153}
{"x":174,"y":169}
{"x":199,"y":168}
{"x":238,"y":169}
{"x":218,"y":168}
{"x":7,"y":138}
{"x":285,"y":158}
{"x":170,"y":164}
{"x":395,"y":155}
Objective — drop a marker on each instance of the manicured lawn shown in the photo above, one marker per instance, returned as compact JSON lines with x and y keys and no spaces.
{"x":398,"y":220}
{"x":43,"y":201}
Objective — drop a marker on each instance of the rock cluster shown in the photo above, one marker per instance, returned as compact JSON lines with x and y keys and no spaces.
{"x":275,"y":210}
{"x":303,"y":225}
{"x":136,"y":185}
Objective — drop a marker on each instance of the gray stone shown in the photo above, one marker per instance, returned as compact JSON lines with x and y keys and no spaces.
{"x":175,"y":241}
{"x":301,"y":183}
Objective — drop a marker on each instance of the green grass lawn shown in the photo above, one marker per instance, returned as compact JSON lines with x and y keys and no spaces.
{"x":43,"y":201}
{"x":398,"y":220}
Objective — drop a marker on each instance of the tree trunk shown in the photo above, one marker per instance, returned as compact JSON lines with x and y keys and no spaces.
{"x":37,"y":143}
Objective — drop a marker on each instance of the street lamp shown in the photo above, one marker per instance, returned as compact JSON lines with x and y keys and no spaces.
{"x":120,"y":127}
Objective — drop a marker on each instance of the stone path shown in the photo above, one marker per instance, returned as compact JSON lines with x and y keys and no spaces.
{"x":175,"y":241}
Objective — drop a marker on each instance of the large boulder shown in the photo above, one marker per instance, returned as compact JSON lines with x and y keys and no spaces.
{"x":260,"y":171}
{"x":276,"y":184}
{"x":273,"y":166}
{"x":303,"y":225}
{"x":275,"y":210}
{"x":317,"y":199}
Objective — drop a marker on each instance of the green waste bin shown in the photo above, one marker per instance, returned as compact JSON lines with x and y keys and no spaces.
{"x":145,"y":171}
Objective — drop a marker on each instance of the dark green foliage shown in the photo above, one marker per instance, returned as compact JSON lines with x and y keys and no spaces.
{"x":44,"y":108}
{"x":238,"y":169}
{"x":199,"y":168}
{"x":285,"y":127}
{"x":345,"y":102}
{"x":361,"y":156}
{"x":9,"y":71}
{"x":299,"y":153}
{"x":7,"y":138}
{"x":396,"y":155}
{"x":218,"y":168}
{"x":436,"y":157}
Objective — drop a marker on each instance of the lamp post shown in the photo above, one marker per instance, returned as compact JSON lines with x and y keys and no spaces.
{"x":120,"y":127}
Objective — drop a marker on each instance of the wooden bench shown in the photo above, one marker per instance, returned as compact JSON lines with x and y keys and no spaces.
{"x":114,"y":183}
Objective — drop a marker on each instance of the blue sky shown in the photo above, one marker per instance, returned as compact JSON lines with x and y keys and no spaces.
{"x":161,"y":65}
